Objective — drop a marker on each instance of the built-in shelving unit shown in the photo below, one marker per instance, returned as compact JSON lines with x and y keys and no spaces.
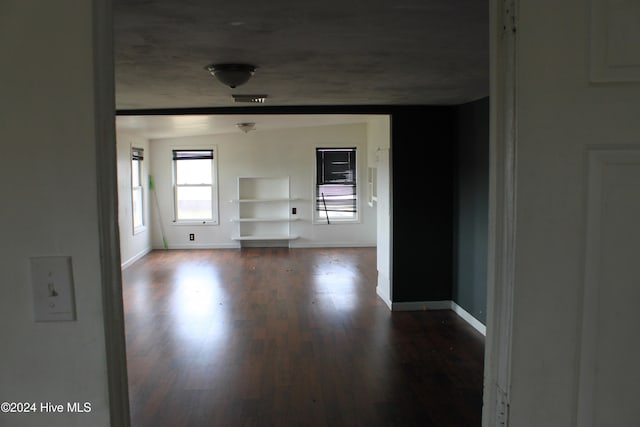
{"x":264,"y":209}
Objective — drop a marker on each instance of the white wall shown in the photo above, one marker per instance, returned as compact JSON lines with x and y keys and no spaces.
{"x":286,"y":152}
{"x":378,"y":136}
{"x":132,"y":246}
{"x":379,"y":145}
{"x":49,"y":207}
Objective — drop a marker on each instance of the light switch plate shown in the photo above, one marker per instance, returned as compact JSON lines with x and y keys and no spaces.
{"x":53,"y":293}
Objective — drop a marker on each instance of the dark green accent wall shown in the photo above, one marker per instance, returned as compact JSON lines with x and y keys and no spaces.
{"x":471,"y":208}
{"x":440,"y":186}
{"x":422,"y":191}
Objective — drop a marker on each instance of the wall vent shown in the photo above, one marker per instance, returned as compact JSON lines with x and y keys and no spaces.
{"x":253,"y":99}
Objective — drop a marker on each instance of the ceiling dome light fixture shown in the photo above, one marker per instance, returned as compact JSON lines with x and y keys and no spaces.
{"x":246,"y":127}
{"x":232,"y":75}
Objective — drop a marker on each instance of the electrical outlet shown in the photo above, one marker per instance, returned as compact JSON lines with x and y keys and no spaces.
{"x":294,"y":211}
{"x":192,"y":237}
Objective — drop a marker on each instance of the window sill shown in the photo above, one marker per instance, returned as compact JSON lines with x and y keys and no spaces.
{"x":196,"y":222}
{"x":338,"y":222}
{"x":139,"y":230}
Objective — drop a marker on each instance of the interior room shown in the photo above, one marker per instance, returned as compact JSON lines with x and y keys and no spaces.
{"x":367,"y":299}
{"x":559,"y":83}
{"x":278,"y":146}
{"x":277,"y":159}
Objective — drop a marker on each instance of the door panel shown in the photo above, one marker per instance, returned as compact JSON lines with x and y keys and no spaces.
{"x":609,"y":372}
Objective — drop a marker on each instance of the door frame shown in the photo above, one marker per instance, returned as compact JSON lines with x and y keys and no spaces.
{"x":106,"y":182}
{"x":502,"y":211}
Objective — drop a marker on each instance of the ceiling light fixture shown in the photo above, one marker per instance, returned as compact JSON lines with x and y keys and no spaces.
{"x":232,"y":75}
{"x":246,"y":127}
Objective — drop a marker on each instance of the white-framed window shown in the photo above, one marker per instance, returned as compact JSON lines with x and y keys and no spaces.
{"x":137,"y":189}
{"x":336,"y":185}
{"x":195,"y":190}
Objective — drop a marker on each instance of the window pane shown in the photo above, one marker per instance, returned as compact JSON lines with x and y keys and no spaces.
{"x":337,"y":167}
{"x":340,"y":215}
{"x":137,"y":153}
{"x":137,"y":207}
{"x":193,"y":171}
{"x":336,"y":201}
{"x":192,"y":154}
{"x":336,"y":184}
{"x":194,"y":202}
{"x":135,"y":173}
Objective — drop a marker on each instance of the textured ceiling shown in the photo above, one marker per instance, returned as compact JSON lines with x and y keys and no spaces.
{"x":332,"y":52}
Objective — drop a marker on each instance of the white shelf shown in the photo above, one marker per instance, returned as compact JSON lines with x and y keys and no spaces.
{"x":264,"y":209}
{"x":264,"y":219}
{"x":263,"y":200}
{"x":265,"y":237}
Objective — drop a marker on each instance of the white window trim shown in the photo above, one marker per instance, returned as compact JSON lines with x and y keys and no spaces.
{"x":141,"y":228}
{"x":215,"y":220}
{"x":317,"y":220}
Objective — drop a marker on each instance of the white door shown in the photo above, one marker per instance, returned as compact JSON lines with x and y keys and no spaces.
{"x":566,"y":264}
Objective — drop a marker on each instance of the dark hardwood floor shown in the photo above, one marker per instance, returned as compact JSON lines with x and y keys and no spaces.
{"x":290,"y":337}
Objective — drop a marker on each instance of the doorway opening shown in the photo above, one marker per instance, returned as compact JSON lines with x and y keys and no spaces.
{"x":279,"y":152}
{"x":274,"y":162}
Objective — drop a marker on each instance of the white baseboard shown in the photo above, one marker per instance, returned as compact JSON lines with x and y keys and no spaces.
{"x":135,"y":258}
{"x":203,"y":246}
{"x":441,"y":305}
{"x":466,"y":316}
{"x":384,"y":298}
{"x":293,"y":244}
{"x":304,"y":245}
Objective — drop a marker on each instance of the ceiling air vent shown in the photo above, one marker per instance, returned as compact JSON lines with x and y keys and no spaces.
{"x":253,"y":99}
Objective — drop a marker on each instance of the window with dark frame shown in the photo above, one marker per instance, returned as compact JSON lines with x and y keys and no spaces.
{"x":137,"y":190}
{"x":336,"y":186}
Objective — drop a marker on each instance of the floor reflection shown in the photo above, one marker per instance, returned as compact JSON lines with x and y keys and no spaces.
{"x":337,"y":278}
{"x":196,"y":303}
